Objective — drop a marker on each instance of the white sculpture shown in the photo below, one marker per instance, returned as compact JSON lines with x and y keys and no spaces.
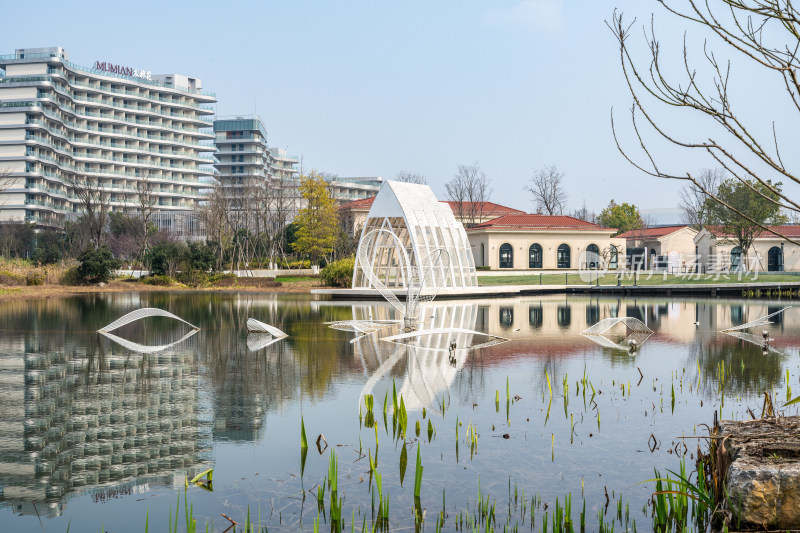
{"x":139,"y":314}
{"x":639,"y":332}
{"x":261,"y":335}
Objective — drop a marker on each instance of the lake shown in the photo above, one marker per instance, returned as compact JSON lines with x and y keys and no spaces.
{"x":96,"y":434}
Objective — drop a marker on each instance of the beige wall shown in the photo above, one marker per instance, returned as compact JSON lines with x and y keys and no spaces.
{"x":678,"y":247}
{"x":353,"y":220}
{"x":22,"y":69}
{"x":11,"y":151}
{"x":12,"y":118}
{"x":714,"y":255}
{"x":16,"y":93}
{"x":486,"y":246}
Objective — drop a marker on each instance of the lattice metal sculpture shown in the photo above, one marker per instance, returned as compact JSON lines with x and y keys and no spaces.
{"x":762,"y":321}
{"x":261,"y":335}
{"x":361,"y":327}
{"x":139,"y":314}
{"x":762,"y":340}
{"x":491,"y":339}
{"x":638,"y":333}
{"x":420,"y":280}
{"x":141,"y":348}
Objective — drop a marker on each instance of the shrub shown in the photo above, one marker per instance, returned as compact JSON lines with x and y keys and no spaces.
{"x":97,"y":265}
{"x":35,"y":278}
{"x":300,"y":264}
{"x":201,"y":256}
{"x":339,"y":273}
{"x":163,"y":257}
{"x":9,"y":278}
{"x":193,"y":278}
{"x":159,"y":281}
{"x":483,"y":267}
{"x":70,"y":276}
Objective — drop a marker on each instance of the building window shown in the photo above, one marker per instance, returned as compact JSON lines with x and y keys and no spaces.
{"x":775,"y":259}
{"x":562,"y":256}
{"x":592,"y":256}
{"x":736,"y":258}
{"x":613,"y":257}
{"x":535,"y":316}
{"x":564,"y":316}
{"x":506,"y":256}
{"x":506,"y":317}
{"x":592,"y":314}
{"x":535,"y":256}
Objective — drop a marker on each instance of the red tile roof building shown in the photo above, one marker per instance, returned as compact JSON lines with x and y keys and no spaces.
{"x":545,"y":242}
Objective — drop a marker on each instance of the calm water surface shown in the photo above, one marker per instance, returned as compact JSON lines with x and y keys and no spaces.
{"x":95,"y":434}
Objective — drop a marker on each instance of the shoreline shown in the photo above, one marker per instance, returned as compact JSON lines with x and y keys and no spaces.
{"x":15,"y":293}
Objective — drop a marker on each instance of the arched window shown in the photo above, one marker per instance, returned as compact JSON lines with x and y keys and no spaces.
{"x":506,"y":256}
{"x":736,"y":258}
{"x":775,"y":259}
{"x":613,"y":257}
{"x":535,"y":256}
{"x":562,"y":256}
{"x":592,"y":256}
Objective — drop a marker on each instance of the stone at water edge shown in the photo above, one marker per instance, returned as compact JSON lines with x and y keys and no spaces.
{"x":763,"y":476}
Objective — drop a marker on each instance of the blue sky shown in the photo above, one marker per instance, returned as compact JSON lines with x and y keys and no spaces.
{"x":373,"y":88}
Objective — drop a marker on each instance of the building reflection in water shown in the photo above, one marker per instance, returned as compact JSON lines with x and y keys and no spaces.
{"x":548,"y":328}
{"x":91,"y":415}
{"x":82,"y":414}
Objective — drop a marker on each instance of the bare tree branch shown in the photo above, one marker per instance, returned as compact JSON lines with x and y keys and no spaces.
{"x":411,"y":177}
{"x":469,"y":190}
{"x":547,"y":190}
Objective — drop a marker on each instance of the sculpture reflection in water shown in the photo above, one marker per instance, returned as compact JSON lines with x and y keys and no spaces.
{"x":427,"y":360}
{"x":261,"y":335}
{"x":139,"y":314}
{"x":763,"y":340}
{"x":636,"y":333}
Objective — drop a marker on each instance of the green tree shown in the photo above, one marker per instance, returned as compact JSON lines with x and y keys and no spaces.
{"x":624,"y":217}
{"x":758,"y":204}
{"x":318,"y":221}
{"x":97,"y":264}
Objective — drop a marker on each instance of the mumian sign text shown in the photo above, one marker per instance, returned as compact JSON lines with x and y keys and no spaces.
{"x":119,"y":69}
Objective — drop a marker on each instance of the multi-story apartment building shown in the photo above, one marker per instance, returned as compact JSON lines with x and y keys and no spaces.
{"x":246,"y":164}
{"x":115,"y":129}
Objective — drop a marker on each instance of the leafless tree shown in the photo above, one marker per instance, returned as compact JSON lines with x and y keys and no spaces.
{"x":469,"y":190}
{"x":765,"y":33}
{"x":6,"y":183}
{"x":548,"y":191}
{"x":411,"y":177}
{"x":213,"y":215}
{"x":146,"y":201}
{"x":584,"y":214}
{"x":694,"y":202}
{"x":94,"y":203}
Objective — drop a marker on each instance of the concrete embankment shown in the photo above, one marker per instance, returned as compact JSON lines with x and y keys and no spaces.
{"x":753,"y":289}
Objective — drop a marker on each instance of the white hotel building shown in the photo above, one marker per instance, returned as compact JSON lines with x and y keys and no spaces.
{"x":121,"y":129}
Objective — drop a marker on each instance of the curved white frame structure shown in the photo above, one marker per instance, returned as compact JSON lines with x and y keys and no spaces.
{"x":139,"y":314}
{"x":415,"y":230}
{"x":256,"y":326}
{"x":639,"y":332}
{"x":141,"y":348}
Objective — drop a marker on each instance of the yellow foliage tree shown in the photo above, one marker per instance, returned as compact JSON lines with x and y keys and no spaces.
{"x":318,"y":221}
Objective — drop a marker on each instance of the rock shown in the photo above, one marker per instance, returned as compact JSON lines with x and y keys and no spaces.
{"x":763,"y":476}
{"x":101,"y":284}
